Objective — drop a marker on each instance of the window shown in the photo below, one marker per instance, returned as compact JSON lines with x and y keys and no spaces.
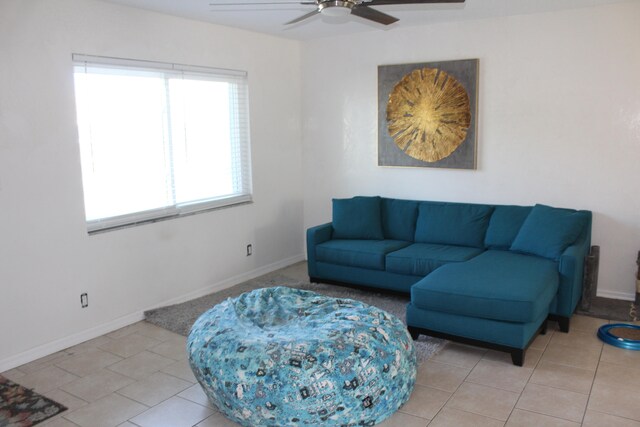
{"x":159,"y":140}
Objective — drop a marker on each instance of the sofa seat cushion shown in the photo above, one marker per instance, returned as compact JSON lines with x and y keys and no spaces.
{"x":496,"y":285}
{"x":358,"y":253}
{"x":420,"y":259}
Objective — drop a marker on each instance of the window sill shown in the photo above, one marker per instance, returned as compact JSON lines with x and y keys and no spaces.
{"x":150,"y":217}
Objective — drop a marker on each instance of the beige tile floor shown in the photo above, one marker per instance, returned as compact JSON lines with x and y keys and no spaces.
{"x":139,"y":376}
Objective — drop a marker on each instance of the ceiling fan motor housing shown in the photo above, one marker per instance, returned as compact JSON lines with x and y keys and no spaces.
{"x":336,"y":7}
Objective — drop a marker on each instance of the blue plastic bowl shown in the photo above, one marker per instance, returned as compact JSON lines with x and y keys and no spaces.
{"x":609,"y":338}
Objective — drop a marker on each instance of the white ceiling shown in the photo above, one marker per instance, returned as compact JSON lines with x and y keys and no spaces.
{"x":270,"y":18}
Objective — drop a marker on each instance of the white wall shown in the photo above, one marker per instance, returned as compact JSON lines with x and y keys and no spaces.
{"x":46,"y":257}
{"x":559,"y":120}
{"x":559,"y":123}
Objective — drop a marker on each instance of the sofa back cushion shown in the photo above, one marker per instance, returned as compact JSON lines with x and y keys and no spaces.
{"x":452,"y":223}
{"x":357,"y":218}
{"x":548,"y":231}
{"x":399,"y":219}
{"x":504,"y":225}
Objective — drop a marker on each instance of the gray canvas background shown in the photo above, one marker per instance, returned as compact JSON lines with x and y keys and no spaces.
{"x":466,"y":72}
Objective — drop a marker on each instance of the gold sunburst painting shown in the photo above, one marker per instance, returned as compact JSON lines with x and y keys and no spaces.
{"x":427,"y":114}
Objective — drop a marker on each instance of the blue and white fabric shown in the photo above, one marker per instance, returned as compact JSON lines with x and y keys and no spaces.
{"x":287,"y":357}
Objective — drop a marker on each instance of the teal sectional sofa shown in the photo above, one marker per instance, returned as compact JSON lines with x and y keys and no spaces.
{"x":488,"y":275}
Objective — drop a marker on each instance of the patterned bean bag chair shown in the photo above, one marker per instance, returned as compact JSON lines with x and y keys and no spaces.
{"x":287,"y":357}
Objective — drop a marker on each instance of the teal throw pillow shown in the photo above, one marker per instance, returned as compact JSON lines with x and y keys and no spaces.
{"x":460,"y":224}
{"x":504,"y":225}
{"x":399,"y":219}
{"x":357,"y":218}
{"x":548,"y":231}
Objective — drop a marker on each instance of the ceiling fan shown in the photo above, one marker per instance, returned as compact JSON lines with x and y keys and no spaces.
{"x":361,"y":8}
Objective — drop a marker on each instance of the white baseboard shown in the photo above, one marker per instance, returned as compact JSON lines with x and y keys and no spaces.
{"x":80,"y":337}
{"x":616,"y":295}
{"x":231,"y":281}
{"x":66,"y":342}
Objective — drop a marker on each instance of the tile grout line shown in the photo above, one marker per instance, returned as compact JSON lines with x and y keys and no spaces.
{"x":69,"y":421}
{"x":170,"y":397}
{"x":551,"y":333}
{"x":617,"y":416}
{"x":559,"y":388}
{"x":549,"y":416}
{"x":593,"y":382}
{"x":458,"y":387}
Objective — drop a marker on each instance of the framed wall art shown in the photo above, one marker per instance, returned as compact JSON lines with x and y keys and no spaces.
{"x":427,"y":114}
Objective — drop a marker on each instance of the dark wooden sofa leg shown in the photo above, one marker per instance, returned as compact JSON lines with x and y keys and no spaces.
{"x":517,"y":354}
{"x":563,"y":324}
{"x":543,"y":329}
{"x":517,"y":357}
{"x":413,"y":332}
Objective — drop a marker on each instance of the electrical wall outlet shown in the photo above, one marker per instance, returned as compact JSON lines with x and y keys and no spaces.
{"x":249,"y":250}
{"x":84,"y":300}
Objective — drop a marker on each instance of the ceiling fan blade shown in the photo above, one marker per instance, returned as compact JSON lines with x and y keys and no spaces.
{"x":383,"y":2}
{"x":303,"y":17}
{"x":256,"y":3}
{"x":372,"y":15}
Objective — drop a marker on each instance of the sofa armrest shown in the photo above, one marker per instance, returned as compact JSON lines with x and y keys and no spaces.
{"x":571,"y":268}
{"x":315,"y":236}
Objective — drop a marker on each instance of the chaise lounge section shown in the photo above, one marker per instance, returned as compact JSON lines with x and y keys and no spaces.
{"x":487,"y":275}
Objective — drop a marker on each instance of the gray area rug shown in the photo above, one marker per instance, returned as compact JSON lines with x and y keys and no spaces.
{"x":179,"y":318}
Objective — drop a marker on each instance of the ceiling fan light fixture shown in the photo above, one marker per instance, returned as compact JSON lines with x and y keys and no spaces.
{"x":336,"y":8}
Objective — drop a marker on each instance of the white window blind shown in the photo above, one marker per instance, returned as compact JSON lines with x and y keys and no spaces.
{"x":159,"y":140}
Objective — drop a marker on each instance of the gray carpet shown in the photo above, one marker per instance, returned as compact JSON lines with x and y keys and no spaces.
{"x":610,"y":309}
{"x":179,"y":318}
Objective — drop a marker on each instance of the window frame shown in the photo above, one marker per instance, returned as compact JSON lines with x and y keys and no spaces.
{"x":243,"y":145}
